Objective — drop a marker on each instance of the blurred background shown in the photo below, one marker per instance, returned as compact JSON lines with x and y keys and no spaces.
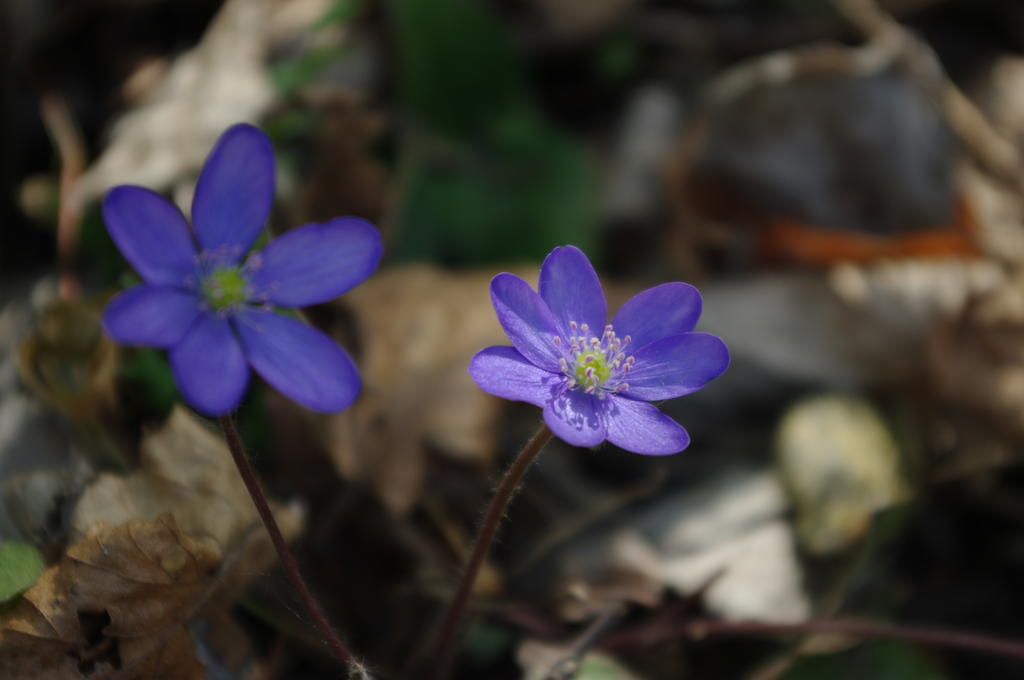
{"x":842,"y":180}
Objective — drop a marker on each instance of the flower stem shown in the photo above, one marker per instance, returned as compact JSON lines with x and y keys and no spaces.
{"x":66,"y":137}
{"x":291,"y":568}
{"x":864,"y":629}
{"x":860,"y":628}
{"x":502,"y":496}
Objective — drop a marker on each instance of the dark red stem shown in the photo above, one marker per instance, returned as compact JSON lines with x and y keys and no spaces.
{"x":699,"y":628}
{"x":492,"y":520}
{"x":291,"y":568}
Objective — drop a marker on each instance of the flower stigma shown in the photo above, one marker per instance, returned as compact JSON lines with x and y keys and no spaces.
{"x":225,"y":289}
{"x":596,"y":365}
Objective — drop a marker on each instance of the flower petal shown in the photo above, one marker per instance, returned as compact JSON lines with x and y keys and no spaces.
{"x":151,"y":233}
{"x":504,"y":372}
{"x":209,"y":366}
{"x":299,"y":361}
{"x":656,"y":313}
{"x":152,"y":316}
{"x":641,"y":428}
{"x":570,"y":287}
{"x":576,"y":418}
{"x":527,"y":320}
{"x":316,"y":262}
{"x":676,"y":365}
{"x":234,"y":191}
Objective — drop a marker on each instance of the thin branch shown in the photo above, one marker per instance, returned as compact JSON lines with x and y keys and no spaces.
{"x":989,"y":147}
{"x":67,"y":140}
{"x":568,"y":665}
{"x":925,"y":635}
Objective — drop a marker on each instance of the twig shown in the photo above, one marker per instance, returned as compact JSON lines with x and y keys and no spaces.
{"x":576,"y":524}
{"x":67,"y":139}
{"x":925,"y":635}
{"x":988,"y":146}
{"x":568,"y":665}
{"x":503,"y":494}
{"x":939,"y":637}
{"x":291,"y":568}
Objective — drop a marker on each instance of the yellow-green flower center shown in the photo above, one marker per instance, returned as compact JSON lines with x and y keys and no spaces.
{"x":592,"y":368}
{"x":596,"y":365}
{"x":225,"y":289}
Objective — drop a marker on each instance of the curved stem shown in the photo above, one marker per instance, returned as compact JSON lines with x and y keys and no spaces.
{"x":291,"y":568}
{"x":66,"y":137}
{"x":861,"y":628}
{"x":502,"y":495}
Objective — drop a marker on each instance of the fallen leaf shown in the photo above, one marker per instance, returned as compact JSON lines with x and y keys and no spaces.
{"x":571,"y":20}
{"x":221,"y":81}
{"x":185,"y":469}
{"x":118,"y":600}
{"x":729,"y":539}
{"x":997,"y":204}
{"x":841,"y":465}
{"x":976,"y":362}
{"x":418,"y":328}
{"x":68,"y":361}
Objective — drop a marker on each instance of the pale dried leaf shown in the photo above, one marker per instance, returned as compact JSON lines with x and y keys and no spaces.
{"x":570,"y":19}
{"x":418,"y":327}
{"x":729,"y":537}
{"x":977,"y":361}
{"x":841,"y":464}
{"x":222,"y":81}
{"x":904,"y":298}
{"x":185,"y":469}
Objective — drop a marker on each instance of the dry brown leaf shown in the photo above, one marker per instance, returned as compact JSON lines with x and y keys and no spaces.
{"x":185,"y":469}
{"x":573,"y":20}
{"x":547,"y":661}
{"x":68,"y":361}
{"x":418,"y":328}
{"x":117,"y":601}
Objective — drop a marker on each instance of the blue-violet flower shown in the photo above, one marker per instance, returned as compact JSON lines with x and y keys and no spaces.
{"x":213,"y":311}
{"x":593,"y":379}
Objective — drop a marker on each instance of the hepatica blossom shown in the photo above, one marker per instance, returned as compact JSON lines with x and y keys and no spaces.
{"x":212,"y":307}
{"x":593,"y":378}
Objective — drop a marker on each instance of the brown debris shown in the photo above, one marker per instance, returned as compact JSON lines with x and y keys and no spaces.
{"x":116,"y":604}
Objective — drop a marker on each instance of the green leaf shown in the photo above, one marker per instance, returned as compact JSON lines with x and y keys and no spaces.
{"x":101,"y":262}
{"x":885,"y":660}
{"x":485,"y":177}
{"x":20,"y":566}
{"x":456,"y":65}
{"x":487,"y":642}
{"x":150,"y":375}
{"x":291,"y":74}
{"x":523,"y":191}
{"x":595,"y":666}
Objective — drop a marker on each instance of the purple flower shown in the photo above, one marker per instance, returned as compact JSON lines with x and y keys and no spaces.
{"x":213,"y":311}
{"x":593,"y":379}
